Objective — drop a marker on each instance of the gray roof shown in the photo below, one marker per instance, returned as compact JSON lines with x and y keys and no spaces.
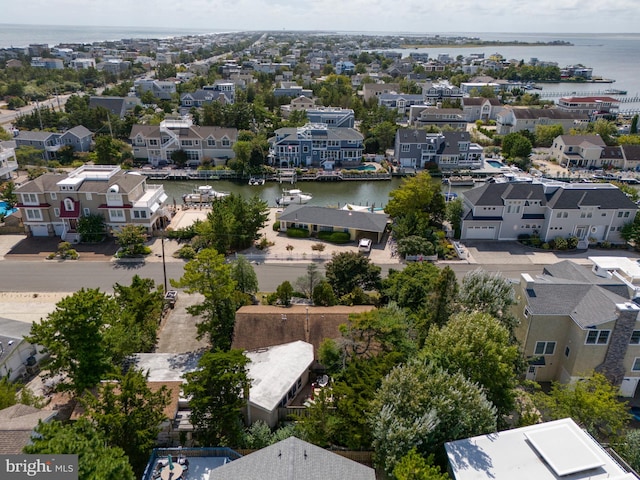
{"x":293,"y":459}
{"x":114,"y":104}
{"x":552,"y":113}
{"x":79,"y":131}
{"x":333,"y":217}
{"x":603,"y":198}
{"x":194,"y":131}
{"x":580,"y":139}
{"x":48,"y":183}
{"x":32,"y":135}
{"x":495,"y":193}
{"x":631,"y":152}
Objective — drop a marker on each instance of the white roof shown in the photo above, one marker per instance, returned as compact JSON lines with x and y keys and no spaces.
{"x":274,"y":370}
{"x":166,"y":367}
{"x":629,"y":269}
{"x":553,"y":450}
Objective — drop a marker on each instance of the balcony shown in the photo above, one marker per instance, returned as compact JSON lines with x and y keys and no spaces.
{"x":7,"y":168}
{"x":153,"y":195}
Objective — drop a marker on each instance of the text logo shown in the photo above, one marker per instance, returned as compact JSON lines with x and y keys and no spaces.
{"x":39,"y":467}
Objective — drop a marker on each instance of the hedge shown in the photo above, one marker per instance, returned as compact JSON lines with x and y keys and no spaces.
{"x":297,"y":233}
{"x":335,"y":237}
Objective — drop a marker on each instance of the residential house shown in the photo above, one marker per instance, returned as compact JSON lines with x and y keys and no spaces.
{"x":479,"y":108}
{"x":8,"y":162}
{"x":119,"y":106}
{"x":19,"y":359}
{"x":47,"y":63}
{"x":469,"y":87}
{"x":374,"y":90}
{"x":278,"y":373}
{"x":156,"y":143}
{"x":300,"y":103}
{"x":316,"y":219}
{"x":317,"y":145}
{"x":219,"y":92}
{"x":114,"y":66}
{"x":82,"y":63}
{"x":293,"y":458}
{"x":401,"y":102}
{"x":52,"y":204}
{"x":261,"y":326}
{"x":48,"y":142}
{"x":332,"y":116}
{"x":550,"y":209}
{"x":557,"y":450}
{"x":436,"y":92}
{"x":428,"y":116}
{"x":17,"y":426}
{"x":13,"y":63}
{"x":574,"y":321}
{"x":79,"y":138}
{"x":450,"y":150}
{"x":160,"y":89}
{"x":578,"y":150}
{"x":594,"y":107}
{"x":291,"y":89}
{"x":345,"y":68}
{"x":631,"y":155}
{"x":517,"y":119}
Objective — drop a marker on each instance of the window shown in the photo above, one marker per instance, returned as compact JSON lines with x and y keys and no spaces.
{"x":635,"y":338}
{"x":33,"y":214}
{"x":527,"y":312}
{"x":68,"y":205}
{"x":405,"y":148}
{"x":87,"y":212}
{"x":226,"y":142}
{"x":54,"y":196}
{"x":211,"y":142}
{"x":88,"y":196}
{"x":30,"y":198}
{"x":636,"y":365}
{"x":56,"y":212}
{"x":567,"y":351}
{"x":545,"y":348}
{"x":597,"y":337}
{"x":116,"y":215}
{"x":139,"y":214}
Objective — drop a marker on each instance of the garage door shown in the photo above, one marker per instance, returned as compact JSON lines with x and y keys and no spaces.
{"x":39,"y":231}
{"x":58,"y":228}
{"x":481,"y":233}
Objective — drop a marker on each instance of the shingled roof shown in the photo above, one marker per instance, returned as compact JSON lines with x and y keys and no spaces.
{"x":333,"y":217}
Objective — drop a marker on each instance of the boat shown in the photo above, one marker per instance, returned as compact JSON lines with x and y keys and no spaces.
{"x":293,"y":196}
{"x":256,"y":181}
{"x":449,"y":196}
{"x":203,"y":194}
{"x":460,"y":181}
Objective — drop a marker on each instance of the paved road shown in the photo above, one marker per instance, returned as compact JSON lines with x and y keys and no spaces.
{"x":68,"y":276}
{"x":7,"y":117}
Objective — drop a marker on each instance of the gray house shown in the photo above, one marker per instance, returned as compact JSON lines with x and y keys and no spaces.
{"x":333,"y":116}
{"x":504,"y":211}
{"x":119,"y":106}
{"x":323,"y":219}
{"x":48,"y":142}
{"x":78,"y":137}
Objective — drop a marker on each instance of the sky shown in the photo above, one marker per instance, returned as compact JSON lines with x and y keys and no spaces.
{"x":419,"y":16}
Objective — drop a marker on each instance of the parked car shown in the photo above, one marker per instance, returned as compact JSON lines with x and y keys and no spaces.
{"x":364,"y":245}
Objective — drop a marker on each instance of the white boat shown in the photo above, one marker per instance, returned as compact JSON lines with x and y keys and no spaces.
{"x":293,"y":196}
{"x":203,"y":194}
{"x":256,"y":181}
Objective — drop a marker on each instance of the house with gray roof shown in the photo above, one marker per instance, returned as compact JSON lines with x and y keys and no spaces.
{"x":18,"y":358}
{"x":324,"y":219}
{"x":433,"y":116}
{"x":401,"y":102}
{"x":631,"y":155}
{"x":290,"y":459}
{"x":17,"y":425}
{"x":479,"y":108}
{"x":119,"y":106}
{"x":53,"y":203}
{"x":156,"y":143}
{"x":78,"y":137}
{"x":517,"y":119}
{"x":575,"y":320}
{"x":316,"y":145}
{"x":48,"y":142}
{"x":415,"y":148}
{"x":504,"y":211}
{"x":160,"y":89}
{"x":578,"y":150}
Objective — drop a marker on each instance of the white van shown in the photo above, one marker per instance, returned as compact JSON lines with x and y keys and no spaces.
{"x":364,"y":245}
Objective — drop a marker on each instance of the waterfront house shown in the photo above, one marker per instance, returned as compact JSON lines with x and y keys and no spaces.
{"x":450,"y":150}
{"x":53,"y":203}
{"x":554,"y":450}
{"x":421,"y":116}
{"x":549,"y":209}
{"x":156,"y":143}
{"x":8,"y":163}
{"x":581,"y":151}
{"x":293,"y":458}
{"x":574,"y":320}
{"x":595,"y":107}
{"x":517,"y":119}
{"x":324,"y":219}
{"x":316,"y":145}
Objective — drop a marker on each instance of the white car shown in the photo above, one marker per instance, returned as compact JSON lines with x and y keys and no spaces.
{"x":364,"y":245}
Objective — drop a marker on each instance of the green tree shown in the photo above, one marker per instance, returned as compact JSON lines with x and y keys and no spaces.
{"x":410,"y":287}
{"x":218,"y":390}
{"x":633,"y":129}
{"x":284,"y":292}
{"x":605,"y":128}
{"x":521,"y":148}
{"x":631,"y":232}
{"x":418,"y":194}
{"x":244,"y":275}
{"x":11,"y":393}
{"x":420,"y":405}
{"x":129,"y":414}
{"x":179,"y":158}
{"x":96,"y":460}
{"x":478,"y":346}
{"x":209,"y":275}
{"x":73,"y":335}
{"x":414,"y":466}
{"x":310,"y":281}
{"x":454,"y":212}
{"x":107,"y":150}
{"x":323,"y":295}
{"x":545,"y":134}
{"x":91,"y":228}
{"x":385,"y":134}
{"x":9,"y":194}
{"x":629,"y":448}
{"x":489,"y":293}
{"x":443,"y":300}
{"x":592,"y":402}
{"x":131,"y":239}
{"x":348,"y":270}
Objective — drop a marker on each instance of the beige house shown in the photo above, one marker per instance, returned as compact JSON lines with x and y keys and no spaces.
{"x":52,"y":204}
{"x":156,"y":144}
{"x":574,"y":321}
{"x":517,"y":119}
{"x":577,"y":150}
{"x":300,"y":103}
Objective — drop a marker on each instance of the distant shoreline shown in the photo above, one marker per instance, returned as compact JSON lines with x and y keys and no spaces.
{"x":489,"y":44}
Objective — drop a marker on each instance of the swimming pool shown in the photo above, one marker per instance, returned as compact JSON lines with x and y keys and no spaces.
{"x":366,"y":168}
{"x":495,"y":163}
{"x":5,"y":210}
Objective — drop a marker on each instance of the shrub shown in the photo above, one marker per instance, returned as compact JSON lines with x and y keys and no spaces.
{"x":535,"y":241}
{"x":187,"y":252}
{"x":318,"y":247}
{"x":263,"y":243}
{"x":545,"y":246}
{"x":297,"y":233}
{"x":276,"y":226}
{"x":560,"y":243}
{"x":572,"y":242}
{"x":605,"y":244}
{"x":335,"y":237}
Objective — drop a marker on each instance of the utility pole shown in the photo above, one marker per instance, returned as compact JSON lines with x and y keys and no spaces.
{"x":164,"y":265}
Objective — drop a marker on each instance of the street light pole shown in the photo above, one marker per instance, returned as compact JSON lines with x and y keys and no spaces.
{"x":164,"y":265}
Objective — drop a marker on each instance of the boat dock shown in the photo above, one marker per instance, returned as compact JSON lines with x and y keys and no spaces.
{"x":282,"y":176}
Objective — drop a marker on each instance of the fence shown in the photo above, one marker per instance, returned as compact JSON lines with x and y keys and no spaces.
{"x":286,"y":257}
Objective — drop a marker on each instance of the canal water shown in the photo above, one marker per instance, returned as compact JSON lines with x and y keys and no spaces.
{"x":368,"y":193}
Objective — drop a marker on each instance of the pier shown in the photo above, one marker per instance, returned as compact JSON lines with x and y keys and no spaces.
{"x":282,"y":176}
{"x":620,"y":97}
